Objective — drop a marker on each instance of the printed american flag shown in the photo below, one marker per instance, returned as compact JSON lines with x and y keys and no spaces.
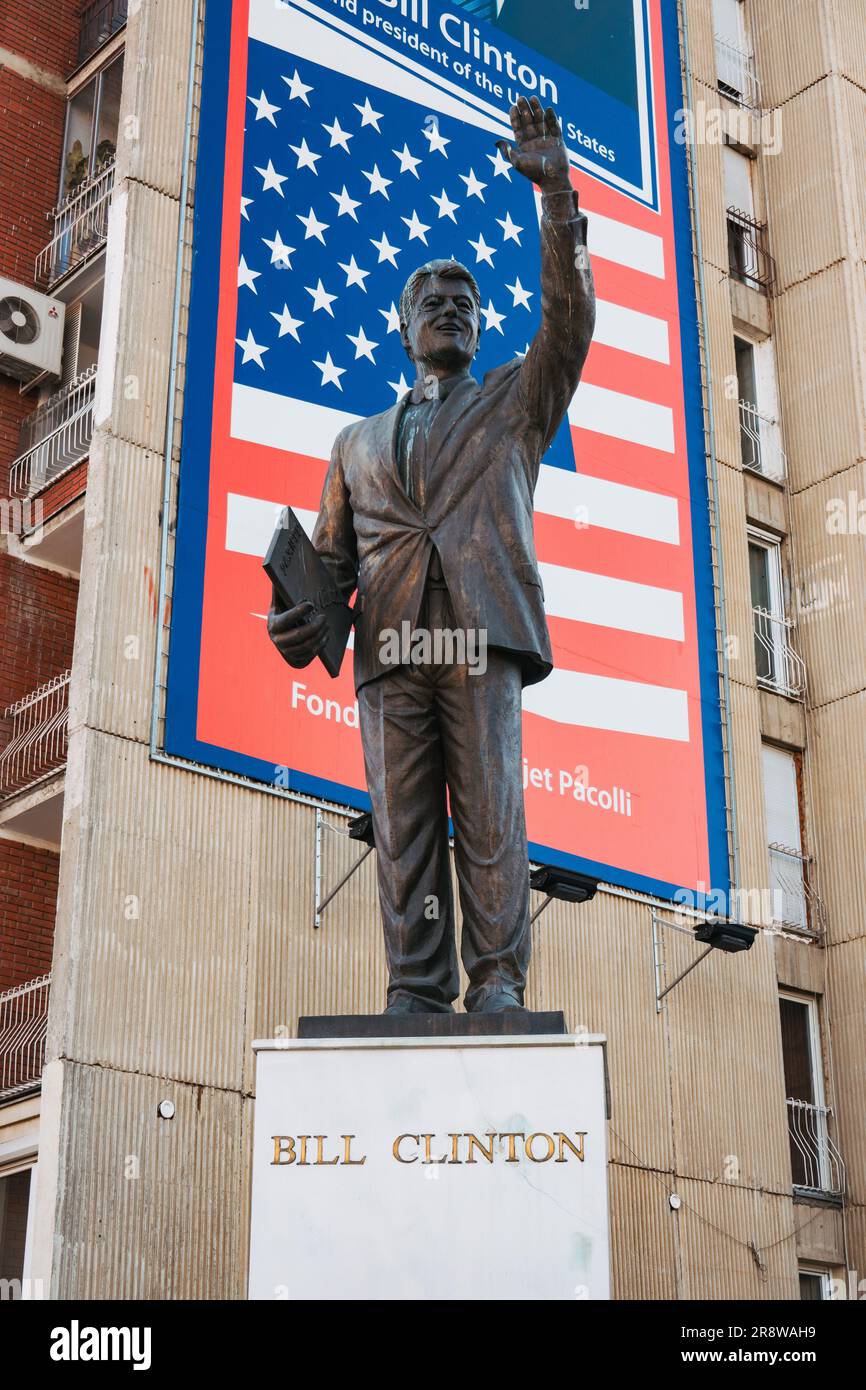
{"x":346,"y":190}
{"x":342,"y":177}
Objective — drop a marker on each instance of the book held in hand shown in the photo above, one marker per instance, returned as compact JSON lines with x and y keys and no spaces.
{"x":298,"y":576}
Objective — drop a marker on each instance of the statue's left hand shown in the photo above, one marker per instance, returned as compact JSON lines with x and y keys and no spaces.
{"x":539,"y":151}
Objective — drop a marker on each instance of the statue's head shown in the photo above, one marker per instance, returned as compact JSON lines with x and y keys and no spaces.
{"x":440,"y":315}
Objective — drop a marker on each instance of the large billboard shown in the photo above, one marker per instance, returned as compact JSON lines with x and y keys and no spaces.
{"x":341,"y":145}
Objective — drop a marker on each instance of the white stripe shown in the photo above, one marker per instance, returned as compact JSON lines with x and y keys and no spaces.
{"x":251,"y":522}
{"x":584,"y":500}
{"x":629,"y":246}
{"x":605,"y":601}
{"x":281,"y":422}
{"x":597,"y":702}
{"x":574,"y":594}
{"x":623,"y":417}
{"x":631,"y":331}
{"x":620,"y":242}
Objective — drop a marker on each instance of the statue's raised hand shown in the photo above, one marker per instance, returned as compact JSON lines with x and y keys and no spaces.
{"x":539,"y":151}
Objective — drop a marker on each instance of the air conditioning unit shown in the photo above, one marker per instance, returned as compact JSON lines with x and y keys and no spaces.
{"x":31,"y":332}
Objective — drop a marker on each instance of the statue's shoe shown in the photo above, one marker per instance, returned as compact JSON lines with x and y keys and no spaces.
{"x":499,"y":1003}
{"x":407,"y":1005}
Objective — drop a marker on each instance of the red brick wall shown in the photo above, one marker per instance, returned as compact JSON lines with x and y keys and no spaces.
{"x":38,"y":627}
{"x":28,"y":902}
{"x":37,"y":607}
{"x":64,"y":491}
{"x":31,"y":140}
{"x":31,"y":145}
{"x":46,"y":35}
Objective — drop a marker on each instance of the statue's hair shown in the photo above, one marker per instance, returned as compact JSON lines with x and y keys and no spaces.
{"x":446,"y":270}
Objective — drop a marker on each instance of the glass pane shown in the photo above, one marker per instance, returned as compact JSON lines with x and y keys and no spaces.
{"x":109,"y":114}
{"x":745,"y":355}
{"x":14,"y":1204}
{"x":797,"y":1059}
{"x":759,"y":574}
{"x":811,"y":1287}
{"x":797,"y":1050}
{"x":79,"y":134}
{"x":750,"y":442}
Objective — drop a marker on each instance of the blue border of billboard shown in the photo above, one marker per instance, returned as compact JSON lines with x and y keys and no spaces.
{"x":184,"y":652}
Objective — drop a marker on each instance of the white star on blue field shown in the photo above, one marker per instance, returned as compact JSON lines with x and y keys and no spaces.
{"x":346,"y":189}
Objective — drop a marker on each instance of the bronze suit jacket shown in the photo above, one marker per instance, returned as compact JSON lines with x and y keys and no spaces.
{"x":483,"y":455}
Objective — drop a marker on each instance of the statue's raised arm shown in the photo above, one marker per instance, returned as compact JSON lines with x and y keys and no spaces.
{"x":555,"y":359}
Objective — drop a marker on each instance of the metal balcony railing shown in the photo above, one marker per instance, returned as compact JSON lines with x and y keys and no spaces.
{"x":760,"y":443}
{"x":23,"y":1021}
{"x":55,"y":437}
{"x":80,"y":228}
{"x":789,"y":887}
{"x":100,"y":21}
{"x":735,"y":69}
{"x":749,"y":258}
{"x":37,"y":746}
{"x":779,"y":666}
{"x":815,"y":1161}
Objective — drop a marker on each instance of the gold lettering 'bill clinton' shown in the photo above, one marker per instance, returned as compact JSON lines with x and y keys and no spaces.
{"x":311,"y":1151}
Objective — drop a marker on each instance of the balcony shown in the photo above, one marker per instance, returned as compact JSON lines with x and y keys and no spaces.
{"x":790,"y":888}
{"x":760,"y":444}
{"x":779,"y":667}
{"x":735,"y":69}
{"x":816,"y":1163}
{"x":100,"y":21}
{"x":37,"y":746}
{"x":23,"y":1023}
{"x":55,"y":437}
{"x":749,"y":259}
{"x":80,"y":228}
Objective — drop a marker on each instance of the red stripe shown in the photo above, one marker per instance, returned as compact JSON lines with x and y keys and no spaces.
{"x":630,"y":374}
{"x":598,"y":551}
{"x":605,"y":651}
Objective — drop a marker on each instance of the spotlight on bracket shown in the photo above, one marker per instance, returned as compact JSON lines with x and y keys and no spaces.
{"x":361,"y":828}
{"x":727,"y":936}
{"x":564,"y":884}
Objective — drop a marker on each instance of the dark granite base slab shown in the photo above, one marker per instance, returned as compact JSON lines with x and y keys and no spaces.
{"x":506,"y":1025}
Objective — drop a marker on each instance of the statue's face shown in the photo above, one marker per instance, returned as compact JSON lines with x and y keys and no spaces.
{"x":444,"y":325}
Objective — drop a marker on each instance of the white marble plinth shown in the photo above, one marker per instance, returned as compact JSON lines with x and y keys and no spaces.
{"x":465,"y":1168}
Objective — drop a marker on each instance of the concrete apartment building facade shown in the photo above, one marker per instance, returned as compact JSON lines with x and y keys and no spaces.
{"x":157,"y":918}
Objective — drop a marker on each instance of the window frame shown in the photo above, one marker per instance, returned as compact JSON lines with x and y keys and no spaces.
{"x":22,"y":1156}
{"x":776,"y":608}
{"x":96,"y":77}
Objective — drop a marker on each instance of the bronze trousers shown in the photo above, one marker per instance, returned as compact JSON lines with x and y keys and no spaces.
{"x":431,"y":732}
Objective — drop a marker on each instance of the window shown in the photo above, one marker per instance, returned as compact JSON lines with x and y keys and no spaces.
{"x":765,"y":574}
{"x":735,"y":65}
{"x":749,"y":259}
{"x":784,"y":837}
{"x":92,"y":118}
{"x":738,"y":181}
{"x":815,"y":1162}
{"x":760,"y":433}
{"x":816,"y":1285}
{"x":14,"y":1224}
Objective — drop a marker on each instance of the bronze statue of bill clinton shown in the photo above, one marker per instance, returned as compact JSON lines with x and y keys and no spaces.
{"x":427,"y":510}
